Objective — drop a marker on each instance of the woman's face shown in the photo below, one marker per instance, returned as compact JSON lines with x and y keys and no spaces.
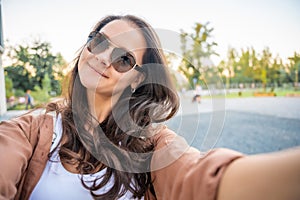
{"x":95,"y":70}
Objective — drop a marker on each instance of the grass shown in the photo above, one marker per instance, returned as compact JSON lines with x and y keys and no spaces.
{"x":280,"y":92}
{"x":286,"y":92}
{"x":249,"y":93}
{"x":17,"y":107}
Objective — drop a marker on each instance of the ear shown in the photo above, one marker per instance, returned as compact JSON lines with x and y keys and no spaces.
{"x":137,"y":81}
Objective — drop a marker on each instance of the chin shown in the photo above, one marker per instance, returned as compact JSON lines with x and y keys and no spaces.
{"x":89,"y":83}
{"x":88,"y":80}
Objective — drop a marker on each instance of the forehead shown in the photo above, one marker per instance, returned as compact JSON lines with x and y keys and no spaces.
{"x":124,"y":34}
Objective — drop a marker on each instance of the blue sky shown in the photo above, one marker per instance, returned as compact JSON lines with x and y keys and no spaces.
{"x":237,"y":23}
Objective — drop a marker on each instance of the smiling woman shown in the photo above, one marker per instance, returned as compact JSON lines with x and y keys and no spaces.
{"x":106,"y":140}
{"x":103,"y":58}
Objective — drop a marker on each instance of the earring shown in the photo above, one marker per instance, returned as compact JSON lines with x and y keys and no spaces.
{"x":132,"y":90}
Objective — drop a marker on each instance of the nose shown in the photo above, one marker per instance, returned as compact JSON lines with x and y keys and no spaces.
{"x":104,"y":58}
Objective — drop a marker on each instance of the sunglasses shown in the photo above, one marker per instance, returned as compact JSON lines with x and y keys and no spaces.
{"x":121,"y":60}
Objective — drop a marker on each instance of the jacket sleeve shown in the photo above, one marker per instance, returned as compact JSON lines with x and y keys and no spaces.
{"x":182,"y":172}
{"x":15,"y":151}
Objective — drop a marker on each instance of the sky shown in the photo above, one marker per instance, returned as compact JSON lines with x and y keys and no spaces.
{"x":237,"y":23}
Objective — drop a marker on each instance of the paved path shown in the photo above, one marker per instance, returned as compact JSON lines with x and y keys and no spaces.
{"x":249,"y":125}
{"x":287,"y":107}
{"x":12,"y":113}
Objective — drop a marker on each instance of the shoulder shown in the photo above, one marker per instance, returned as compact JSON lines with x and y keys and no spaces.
{"x":171,"y":147}
{"x":167,"y":138}
{"x":181,"y":171}
{"x":173,"y":151}
{"x":162,"y":135}
{"x":28,"y":125}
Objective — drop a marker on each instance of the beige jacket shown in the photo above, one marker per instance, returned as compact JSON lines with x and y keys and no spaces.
{"x":179,"y":172}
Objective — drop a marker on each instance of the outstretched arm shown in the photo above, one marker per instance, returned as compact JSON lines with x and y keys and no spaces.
{"x":181,"y":172}
{"x":266,"y":176}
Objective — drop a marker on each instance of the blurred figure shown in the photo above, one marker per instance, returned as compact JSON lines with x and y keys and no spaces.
{"x":11,"y":101}
{"x":197,"y":96}
{"x":28,"y":100}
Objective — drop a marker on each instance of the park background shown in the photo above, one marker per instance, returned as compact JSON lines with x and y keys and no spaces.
{"x":245,"y":53}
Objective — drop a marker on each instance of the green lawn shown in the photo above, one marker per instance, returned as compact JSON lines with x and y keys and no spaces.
{"x":249,"y":93}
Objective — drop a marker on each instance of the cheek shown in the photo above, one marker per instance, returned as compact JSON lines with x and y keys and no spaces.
{"x":88,"y":78}
{"x":82,"y":59}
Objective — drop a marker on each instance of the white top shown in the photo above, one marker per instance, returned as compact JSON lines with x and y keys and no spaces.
{"x":58,"y":183}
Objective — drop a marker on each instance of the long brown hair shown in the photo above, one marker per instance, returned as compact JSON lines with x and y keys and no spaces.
{"x":129,"y":125}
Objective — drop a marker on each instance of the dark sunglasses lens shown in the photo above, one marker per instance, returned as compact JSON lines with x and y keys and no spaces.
{"x":122,"y":60}
{"x":97,"y":44}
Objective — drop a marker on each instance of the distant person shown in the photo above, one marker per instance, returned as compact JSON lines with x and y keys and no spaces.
{"x":28,"y":100}
{"x":106,"y":140}
{"x":197,"y":94}
{"x":11,"y":101}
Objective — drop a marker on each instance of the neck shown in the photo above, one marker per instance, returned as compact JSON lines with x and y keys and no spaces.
{"x":100,"y":105}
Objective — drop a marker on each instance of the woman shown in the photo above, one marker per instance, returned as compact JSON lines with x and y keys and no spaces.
{"x":108,"y":142}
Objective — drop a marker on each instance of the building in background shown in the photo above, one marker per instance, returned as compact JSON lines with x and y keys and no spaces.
{"x":2,"y":79}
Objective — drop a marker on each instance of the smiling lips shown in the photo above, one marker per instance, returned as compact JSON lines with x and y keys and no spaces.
{"x":98,"y":71}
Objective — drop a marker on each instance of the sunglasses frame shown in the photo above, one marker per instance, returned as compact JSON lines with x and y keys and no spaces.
{"x":94,"y":34}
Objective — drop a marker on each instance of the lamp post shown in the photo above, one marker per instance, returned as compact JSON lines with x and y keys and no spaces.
{"x":2,"y":79}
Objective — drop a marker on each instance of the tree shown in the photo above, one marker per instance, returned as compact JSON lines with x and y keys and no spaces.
{"x":232,"y":66}
{"x":19,"y":76}
{"x":274,"y":71}
{"x":32,"y":62}
{"x":251,"y":67}
{"x":265,"y":65}
{"x":197,"y":48}
{"x":42,"y":94}
{"x":294,"y":68}
{"x":242,"y":67}
{"x":8,"y":87}
{"x":176,"y":76}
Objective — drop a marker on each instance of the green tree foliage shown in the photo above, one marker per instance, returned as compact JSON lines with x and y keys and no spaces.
{"x":197,"y":47}
{"x":261,"y":68}
{"x":8,"y":87}
{"x":31,"y":63}
{"x":231,"y":67}
{"x":243,"y":69}
{"x":293,"y":69}
{"x":177,"y":78}
{"x":42,"y":94}
{"x":20,"y":77}
{"x":273,"y":73}
{"x":265,"y":65}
